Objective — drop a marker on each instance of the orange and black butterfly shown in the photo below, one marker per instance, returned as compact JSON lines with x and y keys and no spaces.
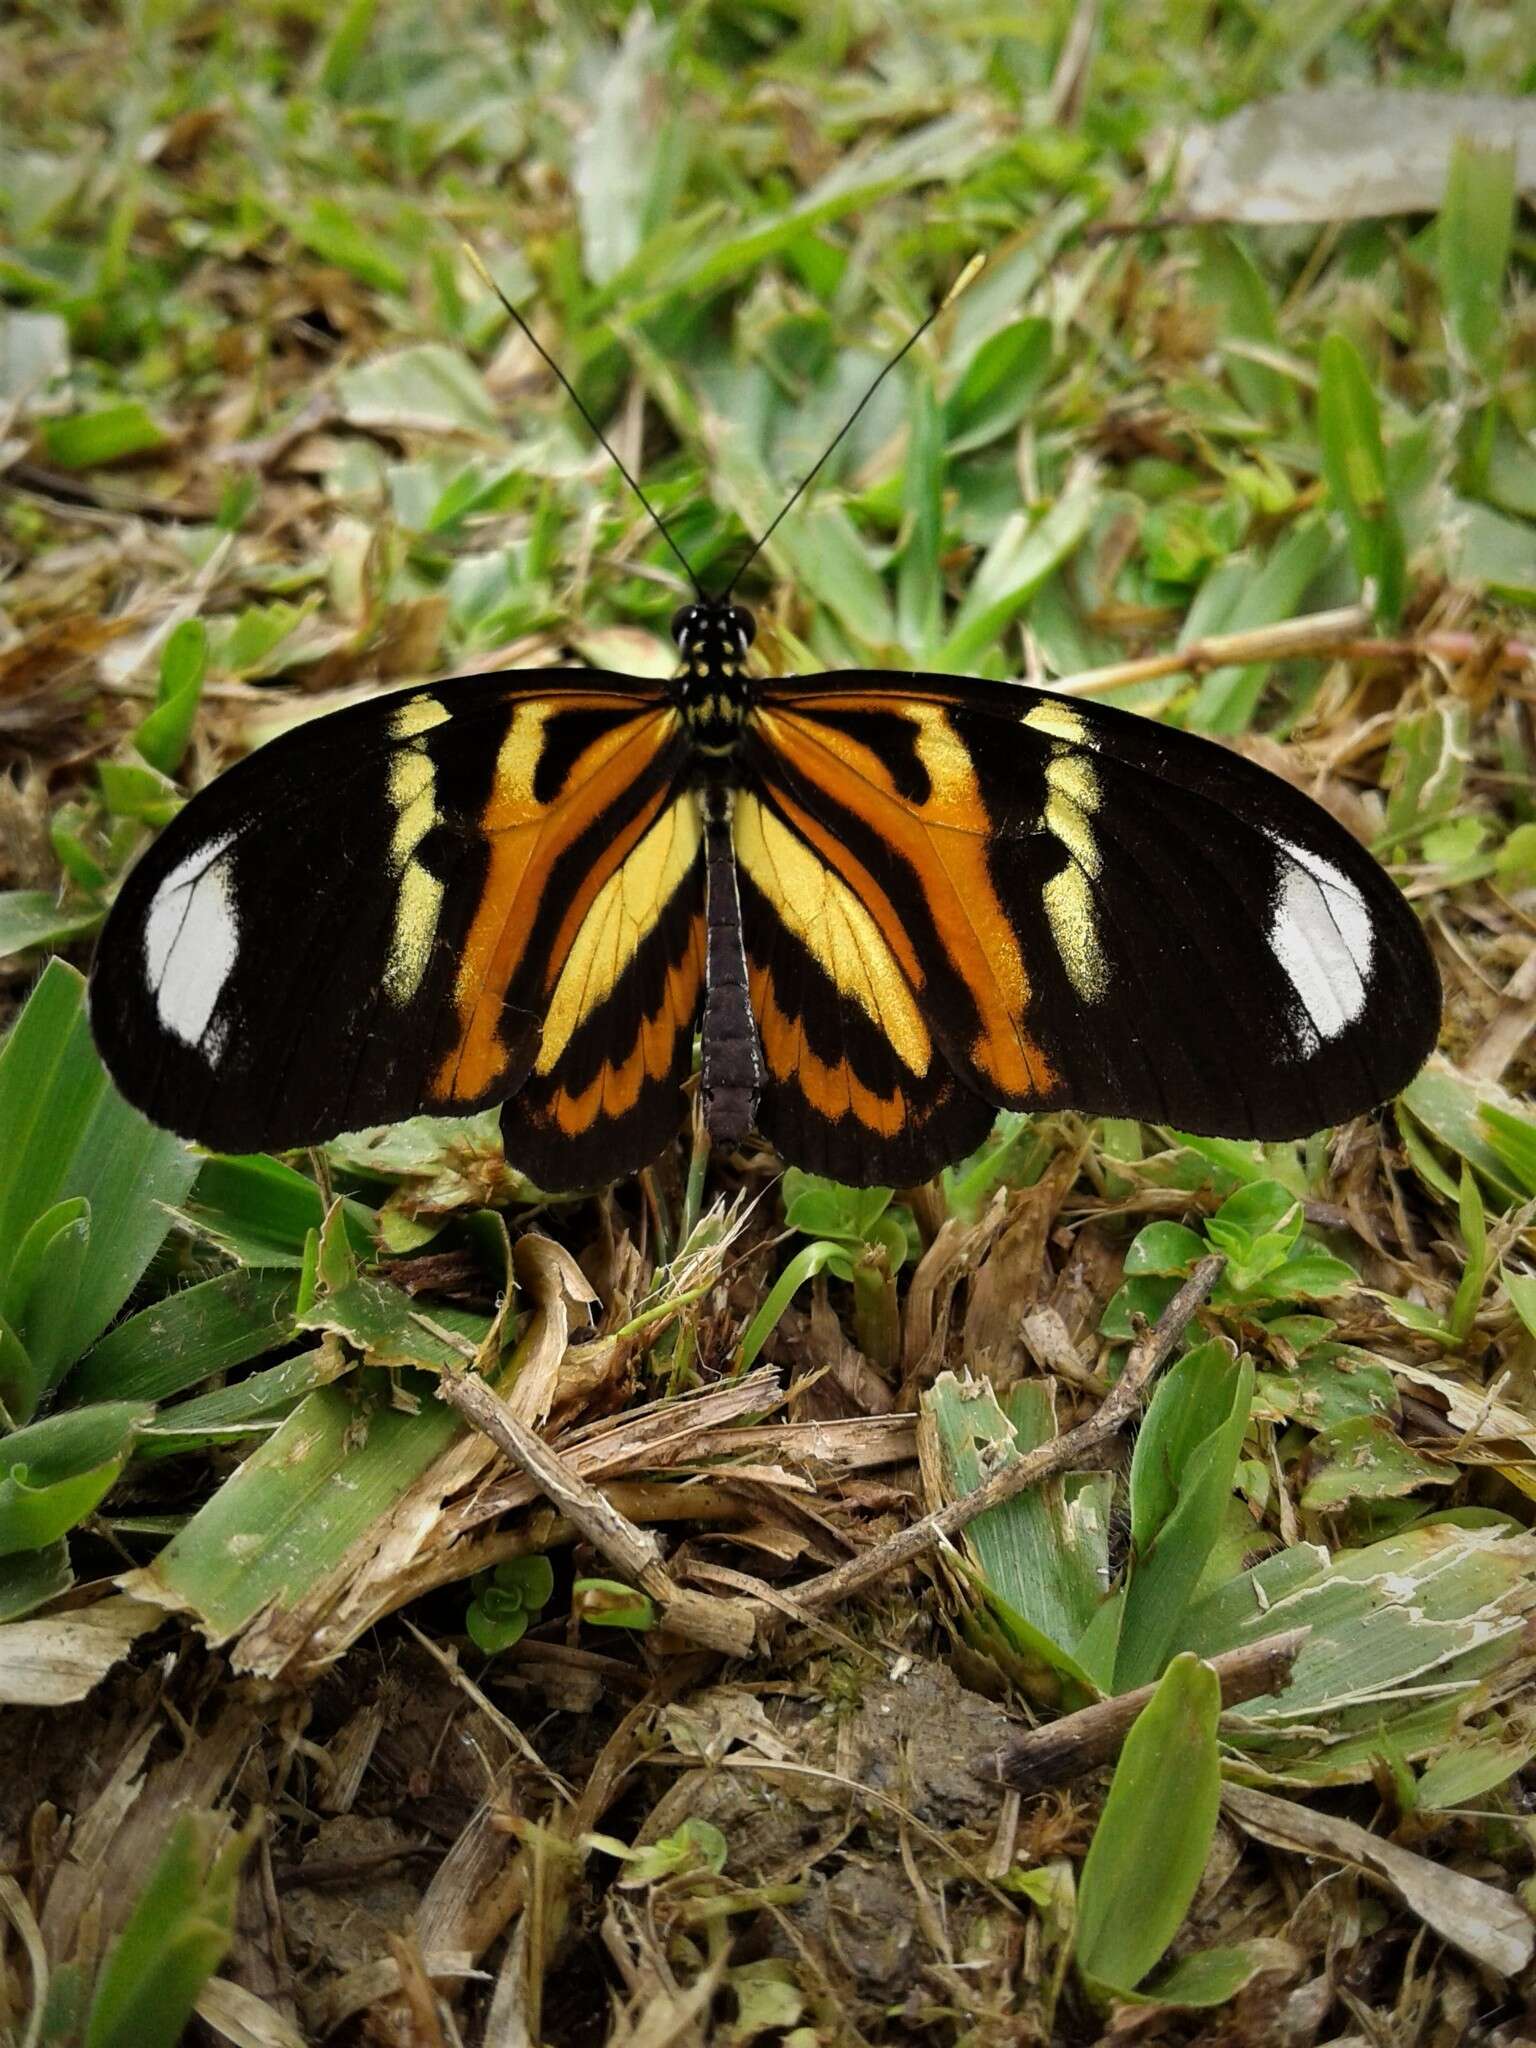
{"x":887,"y":904}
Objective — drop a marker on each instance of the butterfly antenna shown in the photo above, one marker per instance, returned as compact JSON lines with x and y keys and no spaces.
{"x":910,"y":343}
{"x":657,"y":521}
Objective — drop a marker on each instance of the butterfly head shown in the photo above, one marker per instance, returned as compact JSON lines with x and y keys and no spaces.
{"x":713,"y":686}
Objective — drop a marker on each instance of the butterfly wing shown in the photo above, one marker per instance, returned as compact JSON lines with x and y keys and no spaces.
{"x":427,"y":902}
{"x":852,"y":1082}
{"x":1064,"y":904}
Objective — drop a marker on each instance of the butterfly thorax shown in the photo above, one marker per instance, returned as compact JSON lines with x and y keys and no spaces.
{"x":712,"y":687}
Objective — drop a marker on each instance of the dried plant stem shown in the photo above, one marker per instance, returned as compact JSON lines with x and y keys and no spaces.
{"x":726,"y":1626}
{"x":1343,"y":634}
{"x":1078,"y":1742}
{"x":1062,"y":1453}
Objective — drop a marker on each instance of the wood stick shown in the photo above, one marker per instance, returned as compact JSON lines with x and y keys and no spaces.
{"x":1343,"y":634}
{"x":1079,"y":1742}
{"x":1062,"y":1453}
{"x":723,"y":1625}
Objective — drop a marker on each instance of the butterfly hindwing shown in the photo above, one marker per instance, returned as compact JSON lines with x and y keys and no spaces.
{"x":602,"y":1096}
{"x":370,"y":916}
{"x":853,"y":1084}
{"x":1095,"y":911}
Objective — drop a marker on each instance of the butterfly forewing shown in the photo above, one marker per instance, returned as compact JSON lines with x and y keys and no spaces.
{"x":1083,"y":909}
{"x":371,"y":916}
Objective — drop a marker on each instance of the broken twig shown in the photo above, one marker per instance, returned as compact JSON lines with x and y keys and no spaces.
{"x":1081,"y":1741}
{"x":726,"y":1626}
{"x":1062,"y":1452}
{"x":1342,"y":635}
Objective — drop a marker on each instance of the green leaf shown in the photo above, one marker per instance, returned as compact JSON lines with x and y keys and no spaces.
{"x":805,"y":1265}
{"x":1146,"y":1296}
{"x":294,"y":1508}
{"x":1470,"y":1770}
{"x":1426,"y":767}
{"x":53,"y":1473}
{"x":41,"y":1288}
{"x":609,"y":1603}
{"x":1241,"y":595}
{"x":619,"y":146}
{"x":88,"y":440}
{"x":1163,"y":1248}
{"x":1182,"y":1475}
{"x":697,"y":1845}
{"x":1216,"y":1975}
{"x":31,"y":1577}
{"x":382,"y":1320}
{"x":189,"y":1337}
{"x":493,"y":1626}
{"x":826,"y":1208}
{"x":1364,"y":1458}
{"x":337,"y":236}
{"x":1455,"y":1112}
{"x":343,"y":52}
{"x":428,"y":386}
{"x":33,"y":917}
{"x":1513,"y":1138}
{"x":261,"y":1212}
{"x":1473,"y":238}
{"x":1258,"y":1215}
{"x":1149,"y":1850}
{"x":1355,"y":464}
{"x":256,"y":1398}
{"x":1399,"y":1632}
{"x":1044,"y":1555}
{"x":1013,"y":569}
{"x":1521,"y":1288}
{"x":1228,"y":278}
{"x":529,"y":1580}
{"x":164,"y":735}
{"x":998,"y":386}
{"x":176,"y":1937}
{"x":247,"y":644}
{"x":1015,"y":1155}
{"x":919,"y":574}
{"x":1309,"y":1274}
{"x":143,"y":793}
{"x":66,"y":1133}
{"x":1474,"y":1232}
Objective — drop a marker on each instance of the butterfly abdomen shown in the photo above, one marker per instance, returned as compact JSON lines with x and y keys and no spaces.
{"x":732,"y":1064}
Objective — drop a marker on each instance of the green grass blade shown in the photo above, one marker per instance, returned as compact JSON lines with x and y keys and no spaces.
{"x":65,"y":1132}
{"x":298,"y":1503}
{"x":1355,"y":464}
{"x":1474,"y":234}
{"x":176,"y":1343}
{"x":176,"y":1937}
{"x":33,"y":917}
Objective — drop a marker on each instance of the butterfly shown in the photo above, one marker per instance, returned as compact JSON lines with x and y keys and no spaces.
{"x":887,"y":904}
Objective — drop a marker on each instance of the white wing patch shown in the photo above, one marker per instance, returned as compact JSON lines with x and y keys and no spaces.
{"x":191,"y":943}
{"x":1320,"y":932}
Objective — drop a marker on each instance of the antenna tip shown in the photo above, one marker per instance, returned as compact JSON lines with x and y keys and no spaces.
{"x":477,"y":265}
{"x":967,"y":277}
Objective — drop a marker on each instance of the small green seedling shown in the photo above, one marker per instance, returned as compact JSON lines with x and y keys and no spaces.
{"x":857,"y":1236}
{"x":507,"y":1601}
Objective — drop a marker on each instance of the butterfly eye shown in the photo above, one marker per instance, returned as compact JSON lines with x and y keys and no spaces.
{"x":742,"y":622}
{"x":682,"y":619}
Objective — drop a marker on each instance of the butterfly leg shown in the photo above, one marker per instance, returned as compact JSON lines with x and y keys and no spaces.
{"x":732,"y":1063}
